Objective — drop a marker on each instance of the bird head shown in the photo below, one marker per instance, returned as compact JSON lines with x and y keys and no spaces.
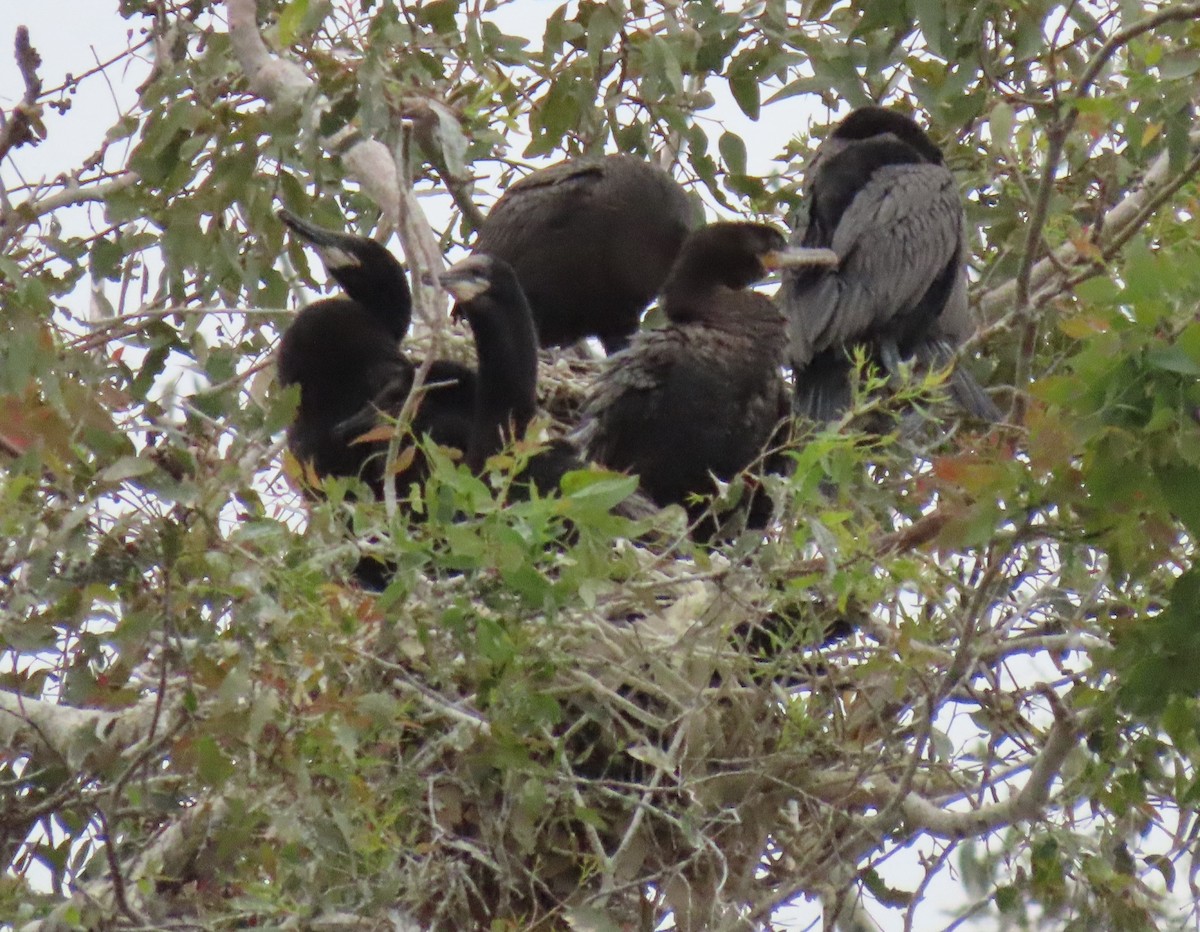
{"x":733,"y":254}
{"x":872,"y":121}
{"x":466,"y":281}
{"x":482,"y":284}
{"x":365,"y":269}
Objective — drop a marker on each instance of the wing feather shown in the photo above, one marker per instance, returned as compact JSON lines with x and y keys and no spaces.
{"x":900,"y":232}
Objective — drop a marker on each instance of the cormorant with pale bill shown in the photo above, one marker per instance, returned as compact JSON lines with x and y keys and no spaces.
{"x":704,"y":396}
{"x":344,"y":353}
{"x":488,"y":295}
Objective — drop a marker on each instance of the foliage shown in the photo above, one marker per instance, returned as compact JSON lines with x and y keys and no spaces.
{"x":554,"y":716}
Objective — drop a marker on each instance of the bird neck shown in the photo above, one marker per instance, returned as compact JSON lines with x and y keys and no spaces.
{"x":381,"y":287}
{"x":506,"y":390}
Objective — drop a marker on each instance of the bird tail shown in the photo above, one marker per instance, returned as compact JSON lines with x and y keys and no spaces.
{"x":822,"y":391}
{"x":964,"y":389}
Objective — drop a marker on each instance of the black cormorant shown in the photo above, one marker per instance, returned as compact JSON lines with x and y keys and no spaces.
{"x":344,"y":353}
{"x":703,"y":396}
{"x":881,"y":198}
{"x":592,"y":241}
{"x":488,"y":295}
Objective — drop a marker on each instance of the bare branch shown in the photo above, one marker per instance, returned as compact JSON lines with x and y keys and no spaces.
{"x":1027,"y":804}
{"x":24,"y":125}
{"x":74,"y":192}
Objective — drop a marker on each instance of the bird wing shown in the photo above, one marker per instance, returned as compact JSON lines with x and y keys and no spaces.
{"x":626,"y":391}
{"x":547,"y":199}
{"x":895,"y":239}
{"x":635,"y":372}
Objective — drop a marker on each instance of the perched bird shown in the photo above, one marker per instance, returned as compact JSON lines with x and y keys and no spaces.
{"x":489,"y":297}
{"x":591,"y":241}
{"x":881,"y":198}
{"x":345,"y":355}
{"x":703,"y":396}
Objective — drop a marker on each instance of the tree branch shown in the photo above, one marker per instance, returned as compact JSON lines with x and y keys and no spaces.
{"x":166,"y":857}
{"x":283,"y":83}
{"x":1025,"y":805}
{"x":43,"y":726}
{"x":1058,"y":133}
{"x":27,"y":212}
{"x":24,"y":125}
{"x":1117,"y":225}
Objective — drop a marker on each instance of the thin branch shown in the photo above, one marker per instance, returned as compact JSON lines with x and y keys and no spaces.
{"x":74,"y":192}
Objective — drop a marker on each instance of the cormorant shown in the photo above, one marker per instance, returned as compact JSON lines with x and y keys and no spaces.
{"x":881,"y":198}
{"x":592,"y":241}
{"x":344,"y":353}
{"x":488,"y":295}
{"x":703,"y":396}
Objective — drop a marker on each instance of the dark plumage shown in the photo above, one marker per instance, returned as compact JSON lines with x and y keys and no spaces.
{"x":703,"y":396}
{"x":489,"y":297}
{"x":881,"y":198}
{"x":592,"y":241}
{"x":344,"y":353}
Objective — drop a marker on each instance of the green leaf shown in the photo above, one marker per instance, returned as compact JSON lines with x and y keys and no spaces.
{"x":127,"y":467}
{"x":212,"y":765}
{"x":1181,"y":64}
{"x":451,"y":139}
{"x":745,"y":90}
{"x":105,"y":258}
{"x":931,"y":14}
{"x":598,"y":489}
{"x":439,"y":14}
{"x":1008,"y":900}
{"x":1173,"y":359}
{"x":1000,"y":123}
{"x":733,"y":151}
{"x":1160,"y":657}
{"x":290,"y":18}
{"x":602,"y":28}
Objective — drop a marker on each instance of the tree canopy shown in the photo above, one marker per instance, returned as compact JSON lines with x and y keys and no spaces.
{"x":954,"y":682}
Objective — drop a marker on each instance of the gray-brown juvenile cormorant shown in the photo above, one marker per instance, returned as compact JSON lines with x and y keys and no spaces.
{"x":592,"y":241}
{"x":344,"y":353}
{"x":703,"y":396}
{"x":881,"y":198}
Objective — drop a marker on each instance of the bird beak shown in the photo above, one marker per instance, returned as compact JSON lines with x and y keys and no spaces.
{"x":463,"y":284}
{"x":800,"y":257}
{"x":330,"y":246}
